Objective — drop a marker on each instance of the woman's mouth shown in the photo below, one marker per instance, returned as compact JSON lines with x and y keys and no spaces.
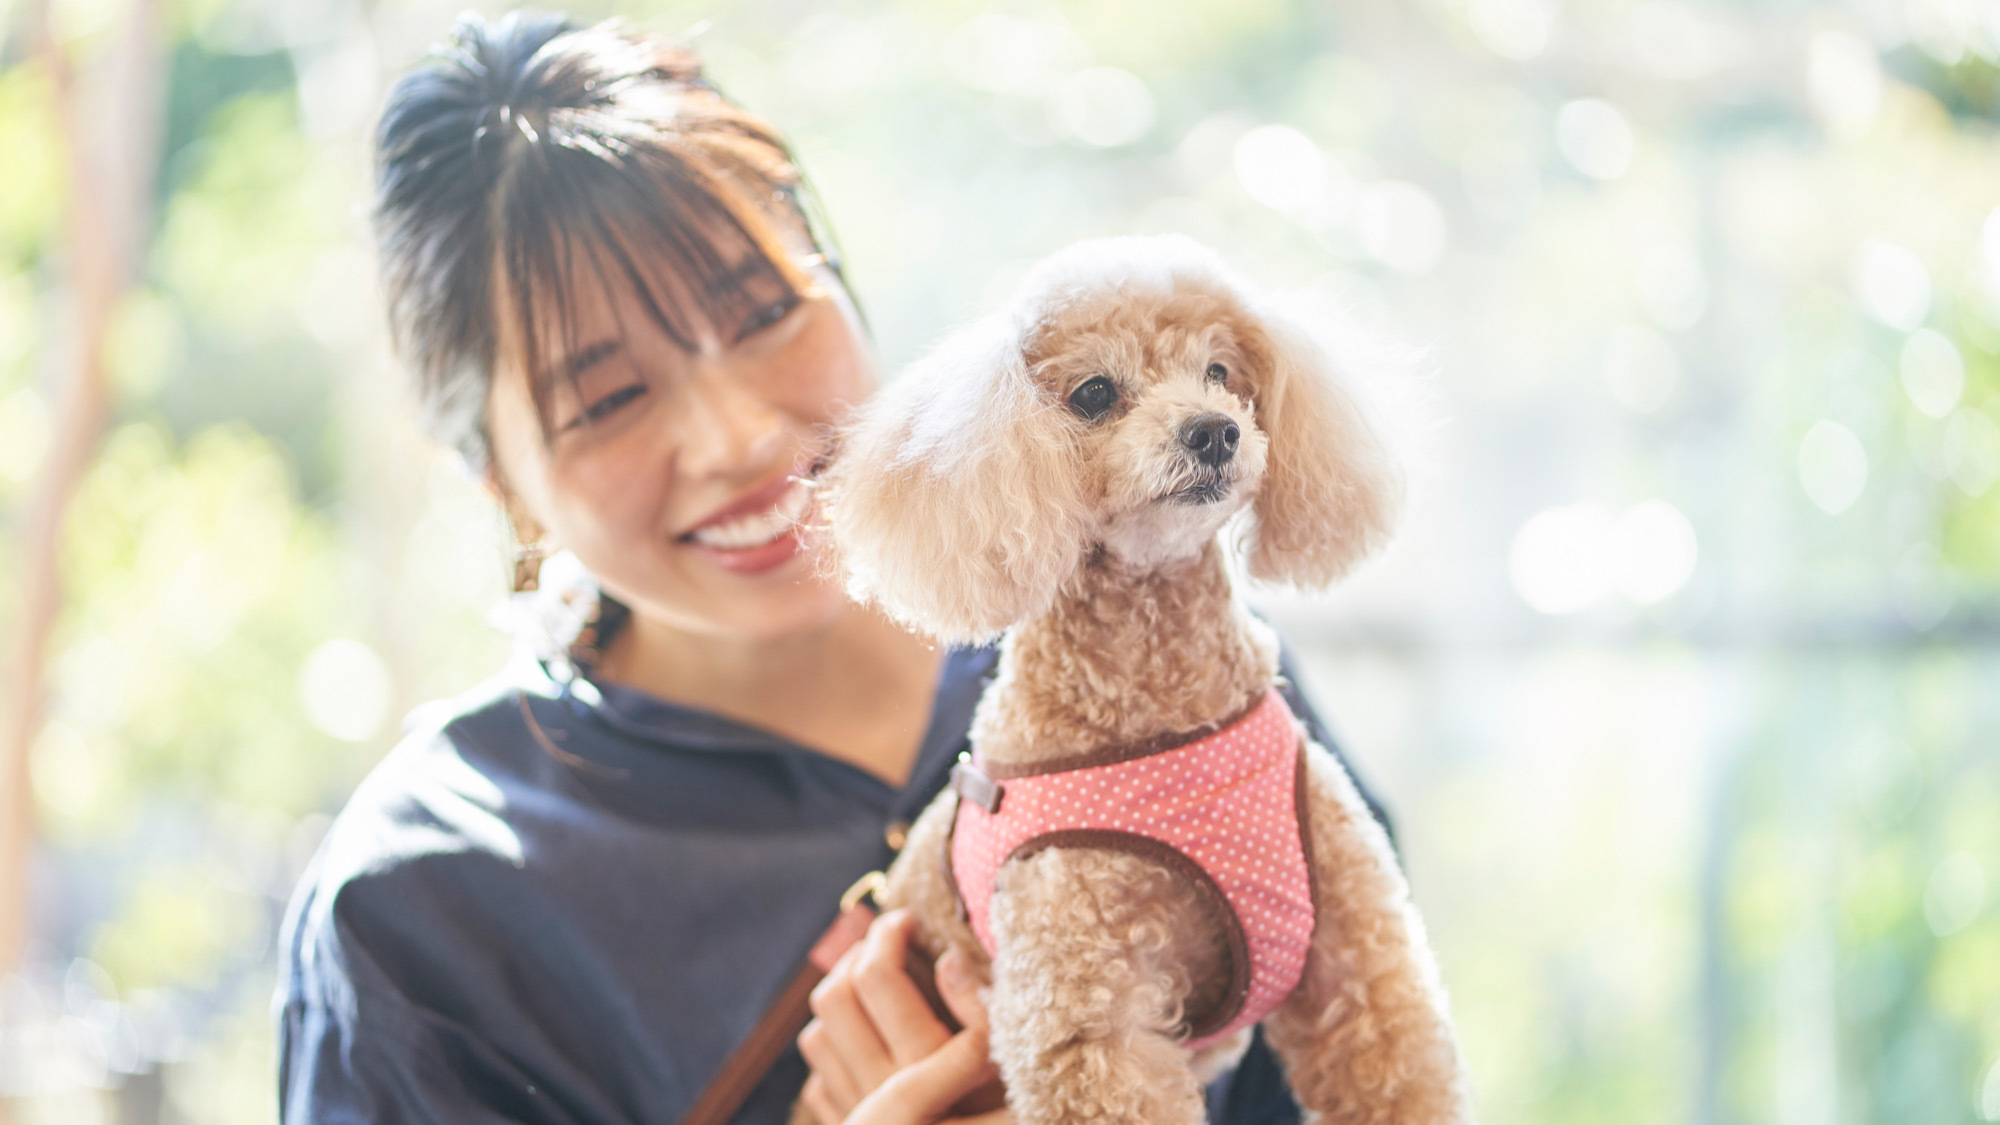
{"x":754,"y":529}
{"x":754,"y":541}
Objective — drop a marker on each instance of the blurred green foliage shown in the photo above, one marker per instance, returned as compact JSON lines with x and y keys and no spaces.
{"x":208,"y":583}
{"x":29,"y":209}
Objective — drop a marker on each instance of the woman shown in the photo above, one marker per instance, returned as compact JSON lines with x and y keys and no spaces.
{"x":568,"y":895}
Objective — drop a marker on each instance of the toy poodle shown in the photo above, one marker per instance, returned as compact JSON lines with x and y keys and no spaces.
{"x":1145,"y":853}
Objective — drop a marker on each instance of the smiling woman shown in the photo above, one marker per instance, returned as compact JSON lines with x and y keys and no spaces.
{"x":619,"y":312}
{"x":569,"y":894}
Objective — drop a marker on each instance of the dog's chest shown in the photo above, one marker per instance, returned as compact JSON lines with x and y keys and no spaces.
{"x":1223,"y":810}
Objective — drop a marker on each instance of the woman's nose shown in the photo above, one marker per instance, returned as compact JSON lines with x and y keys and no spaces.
{"x":726,"y":427}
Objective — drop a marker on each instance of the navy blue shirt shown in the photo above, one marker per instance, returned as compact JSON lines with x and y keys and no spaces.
{"x":568,"y":902}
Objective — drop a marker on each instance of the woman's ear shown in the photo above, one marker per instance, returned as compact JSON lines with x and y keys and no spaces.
{"x":1333,"y":487}
{"x":954,"y":501}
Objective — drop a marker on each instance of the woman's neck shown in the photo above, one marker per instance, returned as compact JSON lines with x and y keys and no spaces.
{"x":1126,"y":658}
{"x":856,"y":688}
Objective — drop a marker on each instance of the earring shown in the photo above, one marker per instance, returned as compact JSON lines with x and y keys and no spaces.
{"x":530,"y":548}
{"x":528,"y":566}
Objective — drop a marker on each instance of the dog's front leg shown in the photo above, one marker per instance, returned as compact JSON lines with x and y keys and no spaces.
{"x":1365,"y":1037}
{"x":1096,"y":952}
{"x":917,"y":883}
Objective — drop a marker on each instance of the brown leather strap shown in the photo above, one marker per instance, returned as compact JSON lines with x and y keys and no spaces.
{"x":780,"y":1024}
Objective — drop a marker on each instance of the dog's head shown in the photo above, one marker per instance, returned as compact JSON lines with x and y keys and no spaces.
{"x":1133,"y":397}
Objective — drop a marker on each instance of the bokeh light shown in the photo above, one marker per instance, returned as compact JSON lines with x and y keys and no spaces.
{"x":1561,"y":562}
{"x":1933,"y":375}
{"x":1596,"y":138}
{"x":1280,"y":168}
{"x":1892,"y":284}
{"x":1513,"y":29}
{"x":1102,"y":107}
{"x":345,"y":689}
{"x":1640,"y":367}
{"x":1673,"y":287}
{"x":1400,"y":225}
{"x":1572,"y":557}
{"x":1833,"y":466}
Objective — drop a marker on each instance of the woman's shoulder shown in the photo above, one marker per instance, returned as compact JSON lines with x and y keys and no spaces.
{"x":643,"y":869}
{"x":528,"y":803}
{"x":438,"y":796}
{"x":474,"y":912}
{"x":452,"y":765}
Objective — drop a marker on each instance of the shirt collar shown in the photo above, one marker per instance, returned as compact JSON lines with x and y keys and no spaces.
{"x":641,"y":715}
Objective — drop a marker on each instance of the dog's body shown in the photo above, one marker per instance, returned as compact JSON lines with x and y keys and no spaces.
{"x":1015,"y":498}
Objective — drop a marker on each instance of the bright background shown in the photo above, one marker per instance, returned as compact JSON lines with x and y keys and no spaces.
{"x":1683,"y":683}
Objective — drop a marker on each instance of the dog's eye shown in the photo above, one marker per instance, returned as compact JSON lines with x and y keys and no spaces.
{"x":1217,"y":373}
{"x":1094,"y":397}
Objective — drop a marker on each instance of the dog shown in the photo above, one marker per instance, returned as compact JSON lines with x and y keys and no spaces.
{"x":1070,"y":472}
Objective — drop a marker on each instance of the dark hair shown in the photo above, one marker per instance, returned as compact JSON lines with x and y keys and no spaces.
{"x":530,"y":147}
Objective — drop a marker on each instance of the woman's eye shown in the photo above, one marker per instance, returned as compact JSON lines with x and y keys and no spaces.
{"x":1217,"y":373}
{"x":1093,"y":398}
{"x":604,"y":407}
{"x":767,"y":316}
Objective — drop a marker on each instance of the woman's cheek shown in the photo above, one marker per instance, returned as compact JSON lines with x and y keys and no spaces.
{"x":825,"y":369}
{"x":616,"y":499}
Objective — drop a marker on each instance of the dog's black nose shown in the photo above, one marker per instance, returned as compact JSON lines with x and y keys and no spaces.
{"x":1211,"y":437}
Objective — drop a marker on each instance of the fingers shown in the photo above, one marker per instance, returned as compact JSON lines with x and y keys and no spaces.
{"x":878,"y":1052}
{"x":923,"y":1092}
{"x":815,"y":1098}
{"x":901,"y":1015}
{"x":958,"y":984}
{"x":839,"y":1091}
{"x":845,"y":1046}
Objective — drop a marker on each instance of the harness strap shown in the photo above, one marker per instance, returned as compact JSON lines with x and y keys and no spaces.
{"x":788,"y":1015}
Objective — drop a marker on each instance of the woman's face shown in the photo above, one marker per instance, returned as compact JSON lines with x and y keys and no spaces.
{"x":670,"y":474}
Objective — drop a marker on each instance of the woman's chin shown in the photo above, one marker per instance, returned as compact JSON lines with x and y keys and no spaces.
{"x":793,"y":600}
{"x":768,"y":592}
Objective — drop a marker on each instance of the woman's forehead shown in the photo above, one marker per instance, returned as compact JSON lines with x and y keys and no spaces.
{"x":590,"y":293}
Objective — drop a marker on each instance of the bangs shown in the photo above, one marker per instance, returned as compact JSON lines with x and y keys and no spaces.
{"x":674,"y":229}
{"x":534,"y":163}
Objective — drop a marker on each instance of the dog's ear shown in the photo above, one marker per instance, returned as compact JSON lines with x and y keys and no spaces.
{"x":954,"y":502}
{"x":1333,"y":486}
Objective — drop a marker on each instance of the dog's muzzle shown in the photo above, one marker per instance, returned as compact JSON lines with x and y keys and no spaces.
{"x":1201,"y":492}
{"x":1210,"y":441}
{"x":1211,"y":437}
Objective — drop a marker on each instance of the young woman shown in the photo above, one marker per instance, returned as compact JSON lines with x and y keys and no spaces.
{"x":569,"y":894}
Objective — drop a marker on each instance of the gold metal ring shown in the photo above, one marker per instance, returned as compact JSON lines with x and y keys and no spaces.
{"x":868,"y":886}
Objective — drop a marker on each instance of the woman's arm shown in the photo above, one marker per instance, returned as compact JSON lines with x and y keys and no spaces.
{"x":380,"y":1062}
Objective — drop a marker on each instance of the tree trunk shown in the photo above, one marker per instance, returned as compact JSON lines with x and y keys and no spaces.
{"x":109,"y":128}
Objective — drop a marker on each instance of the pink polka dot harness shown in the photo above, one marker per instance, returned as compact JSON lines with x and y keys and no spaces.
{"x":1225,"y":810}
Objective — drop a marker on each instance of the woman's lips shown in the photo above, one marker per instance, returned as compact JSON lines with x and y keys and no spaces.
{"x":753,"y":560}
{"x":760,"y":499}
{"x":756,"y":533}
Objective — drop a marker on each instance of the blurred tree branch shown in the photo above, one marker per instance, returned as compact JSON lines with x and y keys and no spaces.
{"x":108,"y":121}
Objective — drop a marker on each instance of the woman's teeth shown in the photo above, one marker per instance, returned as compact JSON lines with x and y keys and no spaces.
{"x":758,"y":528}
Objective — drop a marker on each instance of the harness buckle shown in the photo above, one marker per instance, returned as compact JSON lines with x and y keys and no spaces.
{"x":972,"y":784}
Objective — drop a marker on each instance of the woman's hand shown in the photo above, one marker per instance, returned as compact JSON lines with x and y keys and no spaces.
{"x":879,"y":1054}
